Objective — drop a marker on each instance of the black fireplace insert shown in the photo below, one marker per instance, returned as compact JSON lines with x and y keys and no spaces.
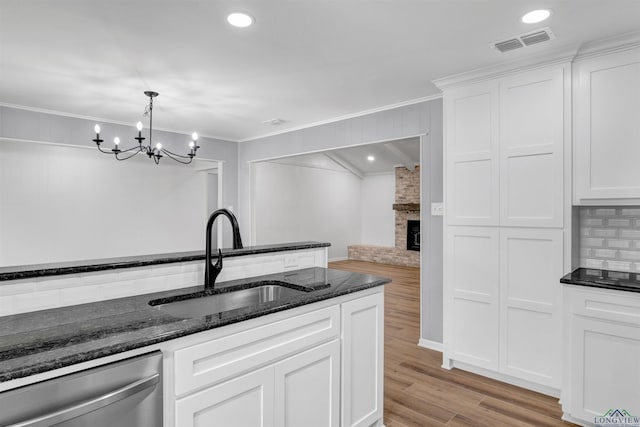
{"x":413,"y":235}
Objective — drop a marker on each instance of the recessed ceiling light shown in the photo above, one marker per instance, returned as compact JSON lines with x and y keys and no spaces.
{"x":371,"y":158}
{"x":240,"y":20}
{"x":536,"y":16}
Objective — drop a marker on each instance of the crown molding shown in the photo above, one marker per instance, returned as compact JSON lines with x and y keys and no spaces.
{"x":605,"y":46}
{"x":507,"y":68}
{"x":82,"y":147}
{"x":101,"y":120}
{"x":348,"y":116}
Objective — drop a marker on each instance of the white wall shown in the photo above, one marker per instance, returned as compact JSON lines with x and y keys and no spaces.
{"x":34,"y":193}
{"x":378,"y":221}
{"x":65,"y":204}
{"x":295,"y":203}
{"x":425,"y":119}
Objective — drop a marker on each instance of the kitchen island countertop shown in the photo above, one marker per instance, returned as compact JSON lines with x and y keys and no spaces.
{"x":36,"y":342}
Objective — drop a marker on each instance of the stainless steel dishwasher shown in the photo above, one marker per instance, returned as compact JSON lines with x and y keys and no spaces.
{"x":127,"y":393}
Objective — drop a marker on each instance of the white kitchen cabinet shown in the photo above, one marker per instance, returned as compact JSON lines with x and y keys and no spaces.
{"x":503,"y":301}
{"x":314,"y":365}
{"x":245,"y":401}
{"x":606,"y":113}
{"x":307,"y":388}
{"x":472,"y":296}
{"x":303,"y":390}
{"x":603,"y":346}
{"x":505,"y":222}
{"x":471,"y":122}
{"x":230,"y":355}
{"x":532,"y":148}
{"x":530,"y":315}
{"x":363,"y":361}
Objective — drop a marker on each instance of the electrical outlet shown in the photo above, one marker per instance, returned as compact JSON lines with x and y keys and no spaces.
{"x":437,"y":209}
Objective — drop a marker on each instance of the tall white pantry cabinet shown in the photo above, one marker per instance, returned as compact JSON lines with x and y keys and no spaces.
{"x":506,"y":222}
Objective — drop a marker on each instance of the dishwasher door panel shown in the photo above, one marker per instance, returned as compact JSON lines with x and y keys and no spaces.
{"x":127,"y":393}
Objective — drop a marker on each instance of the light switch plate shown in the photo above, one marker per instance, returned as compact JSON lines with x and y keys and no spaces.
{"x":437,"y":209}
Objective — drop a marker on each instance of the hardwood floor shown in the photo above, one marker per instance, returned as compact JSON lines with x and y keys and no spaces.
{"x":418,"y":392}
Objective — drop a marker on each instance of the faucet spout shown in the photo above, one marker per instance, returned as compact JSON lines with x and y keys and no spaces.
{"x":212,"y":272}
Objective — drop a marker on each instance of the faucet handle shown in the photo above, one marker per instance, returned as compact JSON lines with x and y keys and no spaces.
{"x":218,"y":265}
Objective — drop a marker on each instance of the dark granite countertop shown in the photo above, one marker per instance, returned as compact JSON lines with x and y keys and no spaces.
{"x":57,"y":269}
{"x":606,"y":279}
{"x":31,"y":343}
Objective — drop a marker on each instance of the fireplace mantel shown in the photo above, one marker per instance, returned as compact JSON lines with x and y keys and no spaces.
{"x":406,"y":207}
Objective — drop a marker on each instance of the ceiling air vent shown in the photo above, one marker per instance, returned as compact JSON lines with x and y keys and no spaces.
{"x":508,"y":45}
{"x":524,"y":40}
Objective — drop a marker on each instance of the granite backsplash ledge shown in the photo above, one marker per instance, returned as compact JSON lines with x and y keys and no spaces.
{"x":87,"y":266}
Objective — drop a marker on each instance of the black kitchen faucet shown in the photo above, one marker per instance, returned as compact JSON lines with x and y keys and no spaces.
{"x":211,"y":272}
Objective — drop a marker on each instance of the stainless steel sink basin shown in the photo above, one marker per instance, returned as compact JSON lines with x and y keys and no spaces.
{"x":203,"y":304}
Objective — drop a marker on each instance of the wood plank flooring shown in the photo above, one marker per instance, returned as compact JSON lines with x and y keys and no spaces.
{"x":418,"y":392}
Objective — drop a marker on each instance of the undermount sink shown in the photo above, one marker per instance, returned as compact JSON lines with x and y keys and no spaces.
{"x":217,"y":301}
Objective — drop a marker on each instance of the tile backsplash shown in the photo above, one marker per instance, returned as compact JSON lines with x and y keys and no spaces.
{"x":610,"y":238}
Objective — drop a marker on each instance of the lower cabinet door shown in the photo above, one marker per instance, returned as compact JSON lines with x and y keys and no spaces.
{"x":362,"y":361}
{"x":472,"y":296}
{"x":530,"y":316}
{"x":307,"y":388}
{"x":246,"y":401}
{"x":605,"y":369}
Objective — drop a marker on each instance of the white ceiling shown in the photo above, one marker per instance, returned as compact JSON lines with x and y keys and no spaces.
{"x":387,"y":155}
{"x":303,"y":61}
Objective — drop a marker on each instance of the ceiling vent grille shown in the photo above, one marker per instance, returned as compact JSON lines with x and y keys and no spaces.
{"x":524,"y":40}
{"x":508,"y":45}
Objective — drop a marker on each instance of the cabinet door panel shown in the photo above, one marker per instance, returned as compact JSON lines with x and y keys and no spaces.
{"x":308,"y":388}
{"x":531,"y":149}
{"x":606,"y":372}
{"x":472,"y":294}
{"x":472,"y":155}
{"x":362,"y":360}
{"x":246,"y":401}
{"x":607,"y":129}
{"x":530,"y":318}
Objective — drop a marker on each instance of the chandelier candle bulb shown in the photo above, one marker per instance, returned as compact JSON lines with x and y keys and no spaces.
{"x":139,"y":126}
{"x":194,"y":136}
{"x":97,"y":129}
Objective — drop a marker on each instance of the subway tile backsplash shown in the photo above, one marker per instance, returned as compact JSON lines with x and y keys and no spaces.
{"x":610,"y":238}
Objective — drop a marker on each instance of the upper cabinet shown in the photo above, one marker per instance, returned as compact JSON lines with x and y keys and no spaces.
{"x":607,"y":128}
{"x":472,"y":154}
{"x":505,"y":150}
{"x":531,"y":149}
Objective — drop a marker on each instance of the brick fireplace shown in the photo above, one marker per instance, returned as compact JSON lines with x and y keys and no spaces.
{"x":407,"y":208}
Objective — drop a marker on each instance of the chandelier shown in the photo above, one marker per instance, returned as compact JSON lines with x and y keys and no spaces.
{"x":154,"y":152}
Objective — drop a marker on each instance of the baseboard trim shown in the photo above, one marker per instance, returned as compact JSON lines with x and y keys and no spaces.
{"x":549,"y":391}
{"x":344,"y":258}
{"x":431,"y":345}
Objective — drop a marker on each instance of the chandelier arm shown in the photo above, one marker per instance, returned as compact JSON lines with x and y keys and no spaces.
{"x":164,"y":150}
{"x":103,"y":151}
{"x":128,"y":157}
{"x":131,"y":149}
{"x":171,"y":155}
